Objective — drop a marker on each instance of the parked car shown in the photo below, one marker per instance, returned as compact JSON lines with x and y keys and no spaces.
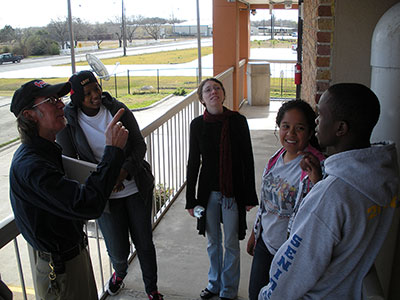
{"x":8,"y":57}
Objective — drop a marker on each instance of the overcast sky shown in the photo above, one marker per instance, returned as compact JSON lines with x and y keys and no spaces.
{"x":26,"y":13}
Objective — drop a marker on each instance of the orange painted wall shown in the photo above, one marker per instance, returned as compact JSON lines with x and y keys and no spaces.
{"x":225,"y":35}
{"x":231,"y":35}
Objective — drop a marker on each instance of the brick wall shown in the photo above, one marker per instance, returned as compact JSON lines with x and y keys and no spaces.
{"x":318,"y":27}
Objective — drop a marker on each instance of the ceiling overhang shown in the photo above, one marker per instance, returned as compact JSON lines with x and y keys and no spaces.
{"x":270,"y":4}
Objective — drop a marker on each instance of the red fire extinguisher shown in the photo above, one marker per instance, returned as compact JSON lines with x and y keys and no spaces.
{"x":297,"y":74}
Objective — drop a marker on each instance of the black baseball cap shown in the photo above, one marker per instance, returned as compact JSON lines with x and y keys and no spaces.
{"x":25,"y":96}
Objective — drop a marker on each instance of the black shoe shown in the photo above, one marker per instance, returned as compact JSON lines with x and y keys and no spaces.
{"x":206,"y":294}
{"x":155,"y":296}
{"x":223,"y":298}
{"x":115,"y":285}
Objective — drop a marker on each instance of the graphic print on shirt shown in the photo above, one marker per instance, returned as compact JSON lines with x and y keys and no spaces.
{"x":278,"y":195}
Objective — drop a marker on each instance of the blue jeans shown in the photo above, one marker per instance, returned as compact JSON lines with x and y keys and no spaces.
{"x":259,"y":274}
{"x":130,"y":214}
{"x":224,"y":272}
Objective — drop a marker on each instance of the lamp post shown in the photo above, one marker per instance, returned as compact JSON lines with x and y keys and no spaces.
{"x":198,"y":41}
{"x":123,"y":28}
{"x":71,"y":37}
{"x":272,"y":25}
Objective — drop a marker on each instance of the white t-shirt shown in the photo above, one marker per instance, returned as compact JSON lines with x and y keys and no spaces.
{"x":94,"y":129}
{"x":279,"y":190}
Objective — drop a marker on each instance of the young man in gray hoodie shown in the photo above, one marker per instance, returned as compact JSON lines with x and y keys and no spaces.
{"x":342,"y":223}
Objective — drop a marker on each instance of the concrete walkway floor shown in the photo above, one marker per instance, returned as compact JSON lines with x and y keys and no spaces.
{"x":181,"y":252}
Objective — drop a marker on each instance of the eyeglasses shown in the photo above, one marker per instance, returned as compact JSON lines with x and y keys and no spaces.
{"x":52,"y":100}
{"x":211,"y":88}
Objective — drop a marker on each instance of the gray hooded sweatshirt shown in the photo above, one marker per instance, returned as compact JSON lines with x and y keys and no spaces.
{"x":339,"y":228}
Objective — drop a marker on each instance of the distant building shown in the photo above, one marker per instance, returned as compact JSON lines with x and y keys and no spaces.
{"x":278,"y":30}
{"x":254,"y":30}
{"x":190,"y":29}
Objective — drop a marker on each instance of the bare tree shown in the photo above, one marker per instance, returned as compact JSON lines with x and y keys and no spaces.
{"x":115,"y":26}
{"x":153,"y":26}
{"x":133,"y":23}
{"x":21,"y":45}
{"x":82,"y":30}
{"x":100,"y":33}
{"x":58,"y":30}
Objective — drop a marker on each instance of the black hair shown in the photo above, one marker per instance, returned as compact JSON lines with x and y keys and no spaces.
{"x":355,"y":104}
{"x":201,"y":85}
{"x":308,"y":112}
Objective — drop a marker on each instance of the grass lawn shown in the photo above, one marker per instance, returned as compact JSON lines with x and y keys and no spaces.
{"x":273,"y":43}
{"x":136,"y":98}
{"x":165,"y":57}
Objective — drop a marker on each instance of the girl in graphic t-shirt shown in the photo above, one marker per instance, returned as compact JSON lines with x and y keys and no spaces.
{"x":284,"y":185}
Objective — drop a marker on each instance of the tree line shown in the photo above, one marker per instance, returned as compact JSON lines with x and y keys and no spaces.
{"x":53,"y":37}
{"x":50,"y":39}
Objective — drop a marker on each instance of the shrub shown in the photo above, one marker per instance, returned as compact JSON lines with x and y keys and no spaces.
{"x":5,"y":49}
{"x":180,"y":92}
{"x":162,"y":195}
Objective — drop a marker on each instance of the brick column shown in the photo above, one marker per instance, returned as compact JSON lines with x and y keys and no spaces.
{"x":318,"y":31}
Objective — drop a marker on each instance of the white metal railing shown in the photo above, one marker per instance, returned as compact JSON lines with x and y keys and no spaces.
{"x":167,"y":140}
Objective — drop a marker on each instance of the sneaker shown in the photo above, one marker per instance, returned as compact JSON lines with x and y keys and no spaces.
{"x":155,"y":296}
{"x":207,"y":294}
{"x":115,"y":284}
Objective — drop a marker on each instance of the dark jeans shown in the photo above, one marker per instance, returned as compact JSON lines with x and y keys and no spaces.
{"x":259,"y":274}
{"x":130,"y":214}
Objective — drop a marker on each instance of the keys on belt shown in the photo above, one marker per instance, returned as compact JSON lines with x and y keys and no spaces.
{"x":57,"y":260}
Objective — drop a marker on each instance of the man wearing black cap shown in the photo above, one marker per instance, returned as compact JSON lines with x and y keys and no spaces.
{"x":50,"y":209}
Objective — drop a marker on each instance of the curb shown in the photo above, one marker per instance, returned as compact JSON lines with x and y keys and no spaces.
{"x":6,"y":147}
{"x":154,"y":104}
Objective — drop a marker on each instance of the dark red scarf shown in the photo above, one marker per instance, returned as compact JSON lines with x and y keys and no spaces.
{"x":225,"y":151}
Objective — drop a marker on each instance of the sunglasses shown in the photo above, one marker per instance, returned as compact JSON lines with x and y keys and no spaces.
{"x":52,"y":100}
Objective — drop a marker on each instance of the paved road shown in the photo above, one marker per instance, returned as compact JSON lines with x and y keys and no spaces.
{"x":8,"y":126}
{"x":29,"y":63}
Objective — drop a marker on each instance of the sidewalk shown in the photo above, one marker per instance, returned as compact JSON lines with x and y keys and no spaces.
{"x":181,"y":252}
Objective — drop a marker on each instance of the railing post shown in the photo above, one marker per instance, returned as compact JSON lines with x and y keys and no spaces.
{"x":21,"y":273}
{"x":196,"y":109}
{"x":150,"y":160}
{"x":158,"y":81}
{"x":129,"y":83}
{"x":99,"y":252}
{"x":115,"y":85}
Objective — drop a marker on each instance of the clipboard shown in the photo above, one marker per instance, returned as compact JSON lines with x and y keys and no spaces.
{"x":77,"y":169}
